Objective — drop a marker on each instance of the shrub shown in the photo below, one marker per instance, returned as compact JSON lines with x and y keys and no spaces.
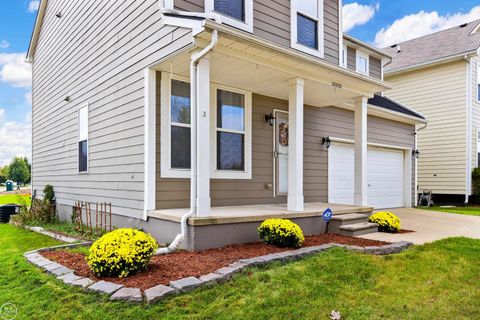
{"x":41,"y":212}
{"x":121,"y":253}
{"x":387,"y":221}
{"x":281,"y":232}
{"x":49,"y":194}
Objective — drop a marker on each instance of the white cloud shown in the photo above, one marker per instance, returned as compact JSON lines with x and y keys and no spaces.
{"x":4,"y":44}
{"x":355,"y":14}
{"x":421,"y":24}
{"x":33,"y":6}
{"x":28,"y":97}
{"x":2,"y":113}
{"x":16,"y":141}
{"x":14,"y":70}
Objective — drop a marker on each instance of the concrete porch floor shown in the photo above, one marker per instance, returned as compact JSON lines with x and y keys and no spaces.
{"x":255,"y":213}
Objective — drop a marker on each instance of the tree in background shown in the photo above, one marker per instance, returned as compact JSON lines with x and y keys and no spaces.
{"x":3,"y":174}
{"x":29,"y":166}
{"x":18,"y":171}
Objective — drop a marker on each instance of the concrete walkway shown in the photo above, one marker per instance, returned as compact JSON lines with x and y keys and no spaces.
{"x":430,"y":226}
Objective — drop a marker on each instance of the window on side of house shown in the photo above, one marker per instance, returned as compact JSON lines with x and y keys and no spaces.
{"x":175,"y":127}
{"x":307,"y":26}
{"x":232,"y":134}
{"x":237,"y":13}
{"x":83,"y":139}
{"x":363,"y":64}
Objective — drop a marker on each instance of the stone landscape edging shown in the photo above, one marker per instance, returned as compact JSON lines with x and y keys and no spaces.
{"x":134,"y":295}
{"x":53,"y":235}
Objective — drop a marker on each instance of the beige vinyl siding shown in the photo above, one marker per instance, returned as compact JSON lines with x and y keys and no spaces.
{"x":331,"y":32}
{"x":190,"y":5}
{"x":351,"y":59}
{"x":319,"y":123}
{"x":96,"y":53}
{"x":439,"y":92}
{"x":375,"y":69}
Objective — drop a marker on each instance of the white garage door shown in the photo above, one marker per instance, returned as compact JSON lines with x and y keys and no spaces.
{"x":385,"y":176}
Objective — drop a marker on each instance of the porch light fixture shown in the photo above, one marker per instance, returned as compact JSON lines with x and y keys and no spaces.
{"x":269,"y":119}
{"x":326,"y":142}
{"x":416,"y":154}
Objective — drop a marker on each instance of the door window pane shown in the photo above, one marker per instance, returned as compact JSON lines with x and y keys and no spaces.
{"x":309,"y":7}
{"x":180,"y":148}
{"x":180,"y":109}
{"x":230,"y":110}
{"x":307,"y":32}
{"x":231,"y":8}
{"x":83,"y":156}
{"x":230,"y":151}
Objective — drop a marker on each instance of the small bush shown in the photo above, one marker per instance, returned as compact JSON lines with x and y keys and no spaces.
{"x":387,"y":221}
{"x":121,"y":253}
{"x":281,"y":232}
{"x":49,"y":194}
{"x":41,"y":212}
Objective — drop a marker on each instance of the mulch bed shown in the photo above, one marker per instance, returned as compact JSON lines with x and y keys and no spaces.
{"x":182,"y":264}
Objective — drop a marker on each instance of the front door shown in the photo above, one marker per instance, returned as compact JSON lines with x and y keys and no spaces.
{"x":281,"y":153}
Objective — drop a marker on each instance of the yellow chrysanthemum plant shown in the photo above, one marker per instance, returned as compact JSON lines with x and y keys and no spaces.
{"x":121,"y":253}
{"x":281,"y":232}
{"x":387,"y":221}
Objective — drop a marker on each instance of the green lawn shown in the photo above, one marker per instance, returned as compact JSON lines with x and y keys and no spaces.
{"x":470,"y":211}
{"x":435,"y":281}
{"x":14,"y":198}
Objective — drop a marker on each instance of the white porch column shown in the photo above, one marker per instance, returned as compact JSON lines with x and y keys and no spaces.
{"x":295,"y":145}
{"x":150,"y":141}
{"x":361,"y":151}
{"x":203,"y":137}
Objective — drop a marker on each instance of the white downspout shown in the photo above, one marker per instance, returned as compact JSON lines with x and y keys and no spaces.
{"x":194,"y":147}
{"x":417,"y":130}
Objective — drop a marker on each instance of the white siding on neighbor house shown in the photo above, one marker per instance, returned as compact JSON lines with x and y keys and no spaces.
{"x":96,"y":53}
{"x":439,"y":93}
{"x":475,"y":112}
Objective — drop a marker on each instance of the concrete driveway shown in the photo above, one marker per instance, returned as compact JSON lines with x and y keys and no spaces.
{"x":430,"y":226}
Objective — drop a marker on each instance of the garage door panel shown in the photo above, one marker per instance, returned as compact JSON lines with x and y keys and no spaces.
{"x":385,"y":176}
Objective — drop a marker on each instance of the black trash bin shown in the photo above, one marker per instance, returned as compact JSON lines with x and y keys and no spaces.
{"x":6,"y":211}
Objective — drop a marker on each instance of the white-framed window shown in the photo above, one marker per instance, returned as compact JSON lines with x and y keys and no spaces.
{"x":231,"y":133}
{"x":344,"y":56}
{"x":237,"y":13}
{"x":306,"y":18}
{"x":82,"y":115}
{"x":175,"y":127}
{"x":363,"y":63}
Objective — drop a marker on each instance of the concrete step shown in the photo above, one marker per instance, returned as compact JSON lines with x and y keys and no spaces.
{"x":346,"y":219}
{"x":358,"y":229}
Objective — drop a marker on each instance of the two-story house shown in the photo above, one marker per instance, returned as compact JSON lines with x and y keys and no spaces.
{"x":203,"y":117}
{"x":438,"y":75}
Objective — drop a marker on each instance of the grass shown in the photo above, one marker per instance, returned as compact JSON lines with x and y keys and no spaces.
{"x":470,"y":211}
{"x":14,"y":199}
{"x":434,"y":281}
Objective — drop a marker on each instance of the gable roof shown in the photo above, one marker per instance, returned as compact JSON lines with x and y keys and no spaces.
{"x":36,"y":30}
{"x":437,"y":47}
{"x":392,"y":105}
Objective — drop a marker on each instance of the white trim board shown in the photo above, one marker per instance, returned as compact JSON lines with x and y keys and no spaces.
{"x":150,"y":141}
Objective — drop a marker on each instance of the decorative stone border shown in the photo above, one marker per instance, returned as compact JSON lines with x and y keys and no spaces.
{"x":120,"y":293}
{"x":53,"y":235}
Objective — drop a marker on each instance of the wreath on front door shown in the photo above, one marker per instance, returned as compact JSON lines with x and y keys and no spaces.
{"x":283,"y":134}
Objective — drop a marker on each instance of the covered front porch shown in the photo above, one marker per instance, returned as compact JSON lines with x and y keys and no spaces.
{"x":269,"y":81}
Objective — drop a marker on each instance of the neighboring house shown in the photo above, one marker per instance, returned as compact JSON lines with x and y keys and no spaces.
{"x":115,"y":117}
{"x":438,"y":75}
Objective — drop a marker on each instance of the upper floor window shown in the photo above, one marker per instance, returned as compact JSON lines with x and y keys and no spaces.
{"x":83,"y":139}
{"x":307,"y":26}
{"x":237,"y":13}
{"x":363,"y":64}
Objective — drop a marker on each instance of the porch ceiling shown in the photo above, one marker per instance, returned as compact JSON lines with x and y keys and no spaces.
{"x":245,"y":66}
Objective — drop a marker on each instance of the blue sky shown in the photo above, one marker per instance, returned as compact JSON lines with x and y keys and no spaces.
{"x":381,"y":23}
